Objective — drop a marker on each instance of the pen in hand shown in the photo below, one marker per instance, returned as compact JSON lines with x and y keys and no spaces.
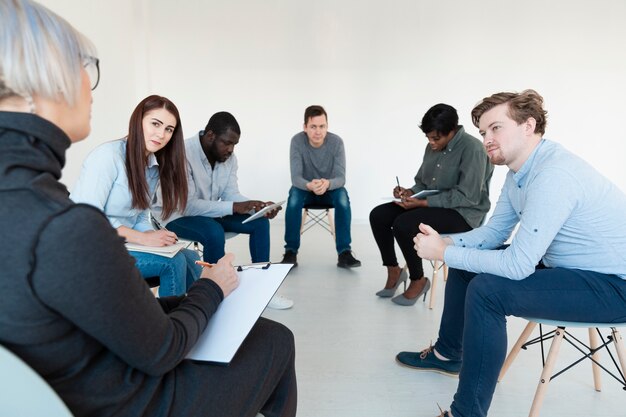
{"x":205,"y":264}
{"x":398,"y":189}
{"x":156,"y":224}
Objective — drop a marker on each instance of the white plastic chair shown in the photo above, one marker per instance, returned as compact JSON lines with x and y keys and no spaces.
{"x":23,"y":393}
{"x":590,"y":352}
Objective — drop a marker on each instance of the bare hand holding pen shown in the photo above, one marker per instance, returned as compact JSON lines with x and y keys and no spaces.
{"x":223,"y":274}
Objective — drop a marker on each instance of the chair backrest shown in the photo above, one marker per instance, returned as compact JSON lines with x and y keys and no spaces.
{"x":24,"y":393}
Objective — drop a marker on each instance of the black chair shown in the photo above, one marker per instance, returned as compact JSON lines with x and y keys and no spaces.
{"x":153,"y":283}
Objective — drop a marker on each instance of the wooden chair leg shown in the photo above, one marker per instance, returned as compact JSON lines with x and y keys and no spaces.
{"x":433,"y":285}
{"x":619,"y":347}
{"x":331,"y":222}
{"x":528,"y":330}
{"x":542,"y":387}
{"x":593,"y":344}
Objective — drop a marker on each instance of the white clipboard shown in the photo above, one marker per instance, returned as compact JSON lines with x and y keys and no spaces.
{"x":263,"y":211}
{"x":237,"y":313}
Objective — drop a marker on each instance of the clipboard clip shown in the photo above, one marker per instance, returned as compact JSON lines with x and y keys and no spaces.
{"x":259,"y":265}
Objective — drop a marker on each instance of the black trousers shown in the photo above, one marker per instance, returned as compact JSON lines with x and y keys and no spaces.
{"x":389,"y":221}
{"x":261,"y":378}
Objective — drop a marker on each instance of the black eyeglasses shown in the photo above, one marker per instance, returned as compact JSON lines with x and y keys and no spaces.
{"x":92,"y":66}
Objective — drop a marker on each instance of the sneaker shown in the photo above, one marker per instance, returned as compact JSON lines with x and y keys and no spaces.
{"x":278,"y":302}
{"x":427,"y":361}
{"x":346,"y":260}
{"x":290,"y":257}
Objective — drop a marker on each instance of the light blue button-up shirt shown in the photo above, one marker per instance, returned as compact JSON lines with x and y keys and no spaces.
{"x":103,"y":183}
{"x":212,"y":190}
{"x":569,"y":216}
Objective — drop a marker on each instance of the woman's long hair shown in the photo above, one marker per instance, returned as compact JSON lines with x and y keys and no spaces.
{"x":171,"y":159}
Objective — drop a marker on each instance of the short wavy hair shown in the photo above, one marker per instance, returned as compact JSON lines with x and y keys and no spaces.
{"x":40,"y":53}
{"x":521,"y":106}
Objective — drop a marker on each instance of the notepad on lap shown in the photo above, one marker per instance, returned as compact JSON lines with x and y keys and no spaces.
{"x":422,"y":194}
{"x":167,"y":251}
{"x":237,"y":313}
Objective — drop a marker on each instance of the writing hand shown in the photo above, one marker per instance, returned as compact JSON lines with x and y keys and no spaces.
{"x":398,"y":192}
{"x":223,"y":274}
{"x":158,"y":238}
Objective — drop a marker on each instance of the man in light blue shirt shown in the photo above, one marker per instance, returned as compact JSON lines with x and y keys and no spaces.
{"x":215,"y":205}
{"x":567,"y":260}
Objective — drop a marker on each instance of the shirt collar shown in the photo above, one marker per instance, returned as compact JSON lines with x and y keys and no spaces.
{"x":455,"y":138}
{"x":520,"y":175}
{"x":152,"y":160}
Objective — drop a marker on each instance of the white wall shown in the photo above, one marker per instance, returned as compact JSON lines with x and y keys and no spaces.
{"x":376,"y":66}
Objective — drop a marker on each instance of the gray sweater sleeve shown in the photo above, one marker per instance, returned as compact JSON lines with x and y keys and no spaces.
{"x":296,"y":162}
{"x":104,"y":296}
{"x":338,"y":177}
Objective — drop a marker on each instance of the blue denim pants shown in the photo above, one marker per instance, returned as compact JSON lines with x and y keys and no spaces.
{"x":338,"y":198}
{"x":210,"y":231}
{"x":473,"y":323}
{"x":176,"y":274}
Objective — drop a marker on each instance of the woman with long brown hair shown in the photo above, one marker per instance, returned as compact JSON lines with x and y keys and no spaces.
{"x":121,"y":178}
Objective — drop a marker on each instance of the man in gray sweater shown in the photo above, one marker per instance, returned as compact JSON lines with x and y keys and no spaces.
{"x":318,"y":175}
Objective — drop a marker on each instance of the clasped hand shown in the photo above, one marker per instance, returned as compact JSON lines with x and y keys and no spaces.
{"x":429,"y":244}
{"x":318,"y":186}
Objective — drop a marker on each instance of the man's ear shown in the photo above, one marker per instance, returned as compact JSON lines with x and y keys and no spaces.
{"x":529,"y":126}
{"x":209,"y":137}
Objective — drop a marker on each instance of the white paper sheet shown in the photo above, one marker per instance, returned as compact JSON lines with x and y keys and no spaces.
{"x":236,"y":315}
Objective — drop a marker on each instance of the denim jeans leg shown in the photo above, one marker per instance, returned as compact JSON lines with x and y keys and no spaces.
{"x":557,"y":294}
{"x":343,"y":218}
{"x":205,"y":230}
{"x":172,"y":272}
{"x":193,"y":270}
{"x":450,"y":341}
{"x":259,"y":231}
{"x":293,"y":217}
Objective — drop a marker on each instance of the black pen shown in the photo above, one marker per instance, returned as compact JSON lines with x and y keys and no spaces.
{"x":156,"y":224}
{"x":398,"y":182}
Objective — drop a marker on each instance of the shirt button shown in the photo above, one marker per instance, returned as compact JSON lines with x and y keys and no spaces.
{"x":438,"y":165}
{"x":433,"y":179}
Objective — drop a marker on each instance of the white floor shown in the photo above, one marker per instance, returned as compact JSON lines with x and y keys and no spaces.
{"x":347,"y":339}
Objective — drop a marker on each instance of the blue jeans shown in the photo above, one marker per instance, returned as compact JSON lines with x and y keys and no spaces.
{"x":210,"y":231}
{"x":293,"y":216}
{"x":473,"y":323}
{"x":175,"y":274}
